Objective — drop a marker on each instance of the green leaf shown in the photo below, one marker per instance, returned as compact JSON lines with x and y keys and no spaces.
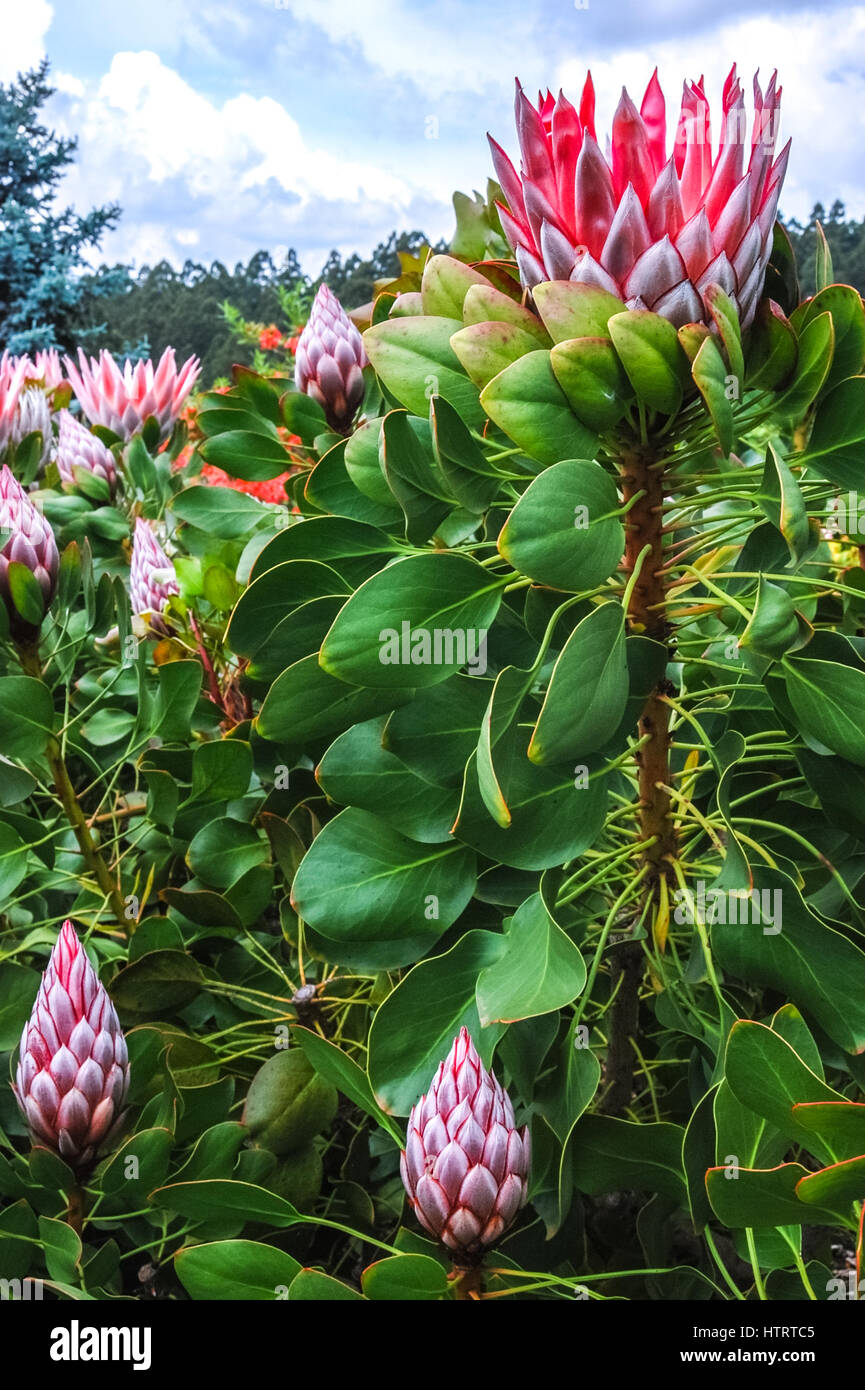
{"x":844,"y":303}
{"x":220,"y":511}
{"x":25,"y":593}
{"x":773,"y":350}
{"x":652,"y":357}
{"x":311,"y":1286}
{"x":19,"y":986}
{"x":274,"y":595}
{"x":762,"y":1197}
{"x":235,"y":1269}
{"x":221,"y":1197}
{"x":591,"y":376}
{"x":26,"y":717}
{"x":768,"y":1076}
{"x":564,"y":531}
{"x":445,"y":284}
{"x":408,"y":464}
{"x":485,"y":304}
{"x":780,"y":499}
{"x":539,"y":971}
{"x":611,"y":1154}
{"x":177,"y":697}
{"x":828,"y":700}
{"x":414,"y":1029}
{"x":527,"y":402}
{"x":471,"y":480}
{"x":62,"y":1247}
{"x":839,"y":1123}
{"x":345,"y":1074}
{"x":13,"y":861}
{"x":246,"y":454}
{"x":823,"y":271}
{"x":836,"y":1186}
{"x":354,"y":549}
{"x":224,"y":850}
{"x":414,"y":358}
{"x":588,"y":690}
{"x":838,"y":436}
{"x":709,"y":371}
{"x":405,"y":1278}
{"x":774,"y":626}
{"x":816,"y":348}
{"x":305,"y":703}
{"x":485,"y":349}
{"x":415,"y":623}
{"x":570,"y":310}
{"x":158,"y":982}
{"x":374,"y":894}
{"x":774,"y":940}
{"x":726,"y":318}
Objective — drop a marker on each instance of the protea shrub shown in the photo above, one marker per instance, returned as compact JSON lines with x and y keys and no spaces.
{"x":73,"y":1067}
{"x":124,"y":399}
{"x":465,"y":1165}
{"x":329,"y":361}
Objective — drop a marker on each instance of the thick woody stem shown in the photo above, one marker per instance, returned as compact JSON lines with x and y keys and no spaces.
{"x":75,"y":1209}
{"x":68,"y":799}
{"x":468,"y":1280}
{"x":643,"y":488}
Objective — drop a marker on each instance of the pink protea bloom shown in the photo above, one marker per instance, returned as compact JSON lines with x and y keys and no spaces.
{"x":329,"y":360}
{"x":122,"y":400}
{"x":45,"y":366}
{"x":73,"y":1067}
{"x":465,"y":1165}
{"x":13,"y":374}
{"x":30,"y":541}
{"x":152,"y":580}
{"x":653,"y":229}
{"x":78,"y":447}
{"x":33,"y":416}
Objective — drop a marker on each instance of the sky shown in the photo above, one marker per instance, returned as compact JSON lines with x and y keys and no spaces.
{"x":233,"y":125}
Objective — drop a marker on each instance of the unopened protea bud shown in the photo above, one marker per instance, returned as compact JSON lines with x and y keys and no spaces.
{"x":152,"y":580}
{"x":26,"y":538}
{"x":465,"y":1165}
{"x":13,"y":374}
{"x":73,"y":1069}
{"x":123,"y":400}
{"x":33,"y":416}
{"x":78,"y":447}
{"x":330,"y":355}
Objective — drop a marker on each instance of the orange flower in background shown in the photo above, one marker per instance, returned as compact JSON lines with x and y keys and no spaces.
{"x":269,"y":338}
{"x":271,"y":490}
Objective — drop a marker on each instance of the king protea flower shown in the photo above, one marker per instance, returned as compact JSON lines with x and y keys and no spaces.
{"x":152,"y":580}
{"x":654,"y":229}
{"x":73,"y":1068}
{"x":13,"y":374}
{"x":465,"y":1165}
{"x":122,"y":400}
{"x":29,"y":540}
{"x":328,"y":362}
{"x":45,"y":366}
{"x":78,"y":447}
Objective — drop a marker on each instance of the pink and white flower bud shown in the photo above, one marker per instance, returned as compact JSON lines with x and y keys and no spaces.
{"x":73,"y":1067}
{"x":465,"y":1165}
{"x":13,"y":374}
{"x":329,"y":361}
{"x":152,"y":580}
{"x":45,"y":367}
{"x":29,"y":540}
{"x":78,"y":447}
{"x":123,"y":400}
{"x":33,"y":416}
{"x":656,"y":229}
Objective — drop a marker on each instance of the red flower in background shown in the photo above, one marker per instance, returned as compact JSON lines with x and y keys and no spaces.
{"x":269,"y":337}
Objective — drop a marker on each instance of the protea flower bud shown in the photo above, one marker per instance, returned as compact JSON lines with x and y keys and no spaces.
{"x":152,"y":580}
{"x":73,"y":1068}
{"x":328,"y":362}
{"x":465,"y":1165}
{"x":123,"y":400}
{"x":78,"y":447}
{"x":30,"y":542}
{"x":653,"y":230}
{"x":33,"y":416}
{"x":13,"y":374}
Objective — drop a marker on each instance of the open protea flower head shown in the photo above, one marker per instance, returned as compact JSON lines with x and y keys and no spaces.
{"x":465,"y":1165}
{"x":329,"y":359}
{"x":124,"y":399}
{"x":45,"y":366}
{"x":78,"y":447}
{"x":29,"y":540}
{"x":73,"y":1068}
{"x":13,"y":374}
{"x":152,"y":580}
{"x":652,"y":227}
{"x":32,"y":416}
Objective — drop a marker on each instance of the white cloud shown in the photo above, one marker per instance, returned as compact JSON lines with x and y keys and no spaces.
{"x":819,"y":62}
{"x":23,"y":27}
{"x":173,"y":158}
